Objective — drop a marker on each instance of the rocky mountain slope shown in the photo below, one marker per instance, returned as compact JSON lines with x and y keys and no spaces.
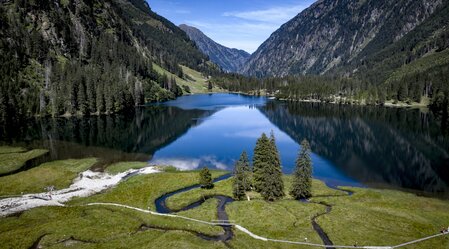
{"x":229,"y":59}
{"x":347,"y":35}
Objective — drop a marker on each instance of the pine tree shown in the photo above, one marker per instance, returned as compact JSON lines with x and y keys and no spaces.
{"x":242,"y":177}
{"x":275,"y":151}
{"x":82,"y":99}
{"x":206,"y":179}
{"x":210,"y":86}
{"x":260,"y":160}
{"x":273,"y":185}
{"x":267,"y":169}
{"x":302,"y":177}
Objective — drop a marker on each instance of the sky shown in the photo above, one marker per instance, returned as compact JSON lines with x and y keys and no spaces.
{"x":242,"y":24}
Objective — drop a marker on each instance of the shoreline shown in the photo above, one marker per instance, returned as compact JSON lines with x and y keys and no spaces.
{"x":85,"y":184}
{"x":89,"y":183}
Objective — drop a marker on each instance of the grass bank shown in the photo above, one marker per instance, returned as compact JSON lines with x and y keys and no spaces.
{"x":124,"y":166}
{"x":385,"y":217}
{"x":57,"y":173}
{"x":14,"y":158}
{"x":368,"y":217}
{"x":113,"y":227}
{"x":141,"y":191}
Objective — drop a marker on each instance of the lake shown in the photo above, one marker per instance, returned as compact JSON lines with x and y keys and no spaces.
{"x":351,"y":145}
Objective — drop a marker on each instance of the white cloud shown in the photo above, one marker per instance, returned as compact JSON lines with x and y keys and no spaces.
{"x":191,"y":163}
{"x":276,"y":15}
{"x":182,"y":164}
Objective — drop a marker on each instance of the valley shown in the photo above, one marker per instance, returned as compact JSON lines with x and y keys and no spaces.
{"x":207,"y":124}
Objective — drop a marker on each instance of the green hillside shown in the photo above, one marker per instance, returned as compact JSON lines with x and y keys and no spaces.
{"x":88,"y":57}
{"x":191,"y":82}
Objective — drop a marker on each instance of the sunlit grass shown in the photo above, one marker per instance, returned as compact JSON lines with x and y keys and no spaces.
{"x":141,"y":191}
{"x":368,"y":217}
{"x":385,"y":217}
{"x":124,"y":166}
{"x":57,"y":173}
{"x":104,"y":227}
{"x":14,"y":158}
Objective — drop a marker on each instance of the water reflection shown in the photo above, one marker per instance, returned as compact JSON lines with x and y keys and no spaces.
{"x":351,"y":145}
{"x":125,"y":137}
{"x":221,"y":138}
{"x":378,"y":146}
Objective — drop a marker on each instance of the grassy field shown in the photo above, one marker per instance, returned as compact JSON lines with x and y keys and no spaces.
{"x":57,"y":173}
{"x":141,"y":191}
{"x":385,"y":217}
{"x":193,"y":79}
{"x":14,"y":158}
{"x":97,"y":227}
{"x":368,"y":217}
{"x":124,"y":166}
{"x":113,"y":227}
{"x":225,"y":188}
{"x":8,"y":149}
{"x":365,"y":218}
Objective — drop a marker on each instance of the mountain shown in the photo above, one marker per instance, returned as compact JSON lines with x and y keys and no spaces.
{"x":87,"y":57}
{"x":229,"y":59}
{"x":354,"y":37}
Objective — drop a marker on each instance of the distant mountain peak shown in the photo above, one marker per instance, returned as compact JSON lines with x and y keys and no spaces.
{"x":229,"y":59}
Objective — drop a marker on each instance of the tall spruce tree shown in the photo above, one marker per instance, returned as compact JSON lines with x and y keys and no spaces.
{"x":302,"y":177}
{"x":275,"y":154}
{"x":267,"y":169}
{"x":206,"y":179}
{"x":273,"y":185}
{"x":242,"y":177}
{"x":261,"y":159}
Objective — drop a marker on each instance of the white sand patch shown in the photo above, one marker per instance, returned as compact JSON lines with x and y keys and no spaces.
{"x":86,"y":184}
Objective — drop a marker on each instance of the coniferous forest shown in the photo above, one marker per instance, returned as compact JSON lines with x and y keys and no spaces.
{"x":410,"y":70}
{"x":88,"y":57}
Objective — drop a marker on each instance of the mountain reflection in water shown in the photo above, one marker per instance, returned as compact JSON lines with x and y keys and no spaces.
{"x":352,"y":145}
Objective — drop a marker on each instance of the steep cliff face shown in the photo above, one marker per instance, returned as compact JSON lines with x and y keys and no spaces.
{"x":229,"y":59}
{"x":331,"y":34}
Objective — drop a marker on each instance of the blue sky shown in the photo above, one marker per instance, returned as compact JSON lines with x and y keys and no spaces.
{"x":242,"y":24}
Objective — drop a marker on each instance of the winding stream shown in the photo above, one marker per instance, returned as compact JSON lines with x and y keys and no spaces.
{"x":161,"y":207}
{"x":318,"y":229}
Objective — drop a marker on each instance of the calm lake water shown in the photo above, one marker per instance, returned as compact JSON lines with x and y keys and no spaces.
{"x":355,"y":146}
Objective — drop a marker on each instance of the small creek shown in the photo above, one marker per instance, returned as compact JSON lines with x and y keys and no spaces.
{"x":161,"y":207}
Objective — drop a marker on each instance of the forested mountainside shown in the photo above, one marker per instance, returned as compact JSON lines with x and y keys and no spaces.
{"x":229,"y":59}
{"x":88,"y":56}
{"x":368,"y":51}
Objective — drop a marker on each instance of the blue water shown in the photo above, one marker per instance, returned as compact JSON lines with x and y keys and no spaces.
{"x":219,"y":139}
{"x":351,"y":145}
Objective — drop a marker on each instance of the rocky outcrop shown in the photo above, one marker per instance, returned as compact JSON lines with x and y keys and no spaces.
{"x":334,"y":33}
